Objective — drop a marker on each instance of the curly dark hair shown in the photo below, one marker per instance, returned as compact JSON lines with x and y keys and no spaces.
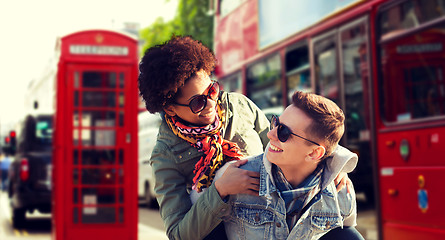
{"x":167,"y":67}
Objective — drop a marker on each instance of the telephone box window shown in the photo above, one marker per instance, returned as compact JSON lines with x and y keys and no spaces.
{"x":121,"y":214}
{"x":76,"y":79}
{"x":121,"y":118}
{"x":98,"y":195}
{"x":98,"y":157}
{"x":99,"y":138}
{"x":99,"y":176}
{"x":99,"y":79}
{"x":121,"y":176}
{"x":98,"y":99}
{"x":121,"y":80}
{"x":75,"y":156}
{"x":76,"y":119}
{"x":121,"y":99}
{"x":98,"y":215}
{"x":121,"y":157}
{"x":121,"y":195}
{"x":75,"y":195}
{"x":75,"y":176}
{"x":75,"y":215}
{"x":76,"y":98}
{"x":99,"y":118}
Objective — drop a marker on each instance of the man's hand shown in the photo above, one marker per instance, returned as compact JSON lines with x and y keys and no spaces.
{"x":235,"y":181}
{"x":341,"y":180}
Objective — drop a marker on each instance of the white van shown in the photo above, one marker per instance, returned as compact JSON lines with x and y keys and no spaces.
{"x":148,"y":131}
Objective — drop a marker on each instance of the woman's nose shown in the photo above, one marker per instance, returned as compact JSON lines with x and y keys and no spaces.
{"x":272,"y":134}
{"x":211,"y":103}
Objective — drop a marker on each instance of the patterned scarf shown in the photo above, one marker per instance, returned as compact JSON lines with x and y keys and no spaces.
{"x":206,"y":139}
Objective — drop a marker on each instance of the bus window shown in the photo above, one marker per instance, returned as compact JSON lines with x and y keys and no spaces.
{"x":327,"y":83}
{"x":354,"y":49}
{"x":264,"y":83}
{"x":298,"y":70}
{"x":232,"y":83}
{"x":412,"y":65}
{"x":410,"y":14}
{"x":342,"y":75}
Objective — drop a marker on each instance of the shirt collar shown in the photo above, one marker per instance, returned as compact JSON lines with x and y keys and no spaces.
{"x":267,"y":181}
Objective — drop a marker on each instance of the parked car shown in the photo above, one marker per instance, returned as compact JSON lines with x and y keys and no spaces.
{"x":148,"y":131}
{"x":30,"y":171}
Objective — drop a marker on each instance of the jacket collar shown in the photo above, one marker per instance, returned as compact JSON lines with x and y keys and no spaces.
{"x":342,"y":160}
{"x":267,"y":183}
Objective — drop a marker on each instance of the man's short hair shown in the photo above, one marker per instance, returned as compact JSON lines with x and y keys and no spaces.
{"x":327,"y":125}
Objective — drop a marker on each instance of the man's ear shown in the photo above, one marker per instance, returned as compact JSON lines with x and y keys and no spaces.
{"x":317,"y":153}
{"x":170,"y":110}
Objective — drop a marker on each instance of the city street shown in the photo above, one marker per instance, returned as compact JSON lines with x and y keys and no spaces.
{"x":150,"y":226}
{"x":366,"y":218}
{"x":38,"y":226}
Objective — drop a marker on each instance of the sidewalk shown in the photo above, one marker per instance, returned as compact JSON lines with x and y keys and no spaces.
{"x":366,"y":219}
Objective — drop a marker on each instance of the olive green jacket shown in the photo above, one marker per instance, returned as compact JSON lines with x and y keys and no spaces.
{"x":173,"y":160}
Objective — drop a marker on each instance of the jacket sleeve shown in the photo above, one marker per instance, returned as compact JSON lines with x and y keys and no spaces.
{"x":183,"y":220}
{"x":351,"y":219}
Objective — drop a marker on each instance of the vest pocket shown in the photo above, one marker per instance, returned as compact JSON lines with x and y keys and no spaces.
{"x":325,"y":223}
{"x":254,"y":216}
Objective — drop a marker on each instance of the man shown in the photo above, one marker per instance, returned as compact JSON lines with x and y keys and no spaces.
{"x":297,"y":195}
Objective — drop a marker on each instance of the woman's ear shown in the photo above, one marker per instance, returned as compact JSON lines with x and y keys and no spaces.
{"x":170,"y":110}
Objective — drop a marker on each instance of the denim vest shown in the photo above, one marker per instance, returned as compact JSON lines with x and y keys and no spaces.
{"x":264,"y":216}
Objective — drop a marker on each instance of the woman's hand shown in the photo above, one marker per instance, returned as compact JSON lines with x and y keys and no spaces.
{"x":341,"y":180}
{"x":236,"y":180}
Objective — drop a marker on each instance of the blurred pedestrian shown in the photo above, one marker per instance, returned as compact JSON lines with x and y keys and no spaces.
{"x":4,"y":167}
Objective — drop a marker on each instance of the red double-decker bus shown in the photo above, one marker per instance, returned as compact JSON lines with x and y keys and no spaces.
{"x":382,"y":62}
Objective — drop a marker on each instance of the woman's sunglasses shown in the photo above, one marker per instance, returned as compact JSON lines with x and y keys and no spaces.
{"x":283,"y":131}
{"x":199,"y":102}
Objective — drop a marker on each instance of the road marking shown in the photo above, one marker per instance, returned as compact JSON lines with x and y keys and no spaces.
{"x":142,"y":228}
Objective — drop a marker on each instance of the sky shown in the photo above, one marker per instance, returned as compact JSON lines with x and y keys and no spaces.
{"x":29,"y":29}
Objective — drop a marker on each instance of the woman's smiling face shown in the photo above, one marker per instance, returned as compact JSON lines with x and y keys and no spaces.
{"x":197,"y":85}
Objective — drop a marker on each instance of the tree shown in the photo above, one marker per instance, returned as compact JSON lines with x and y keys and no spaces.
{"x":158,"y":33}
{"x":195,"y":20}
{"x":191,"y":18}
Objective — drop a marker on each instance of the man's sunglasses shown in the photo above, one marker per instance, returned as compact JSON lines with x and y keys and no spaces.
{"x":199,"y":102}
{"x":283,"y":131}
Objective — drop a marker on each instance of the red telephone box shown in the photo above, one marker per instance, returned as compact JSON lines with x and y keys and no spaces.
{"x":95,"y":147}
